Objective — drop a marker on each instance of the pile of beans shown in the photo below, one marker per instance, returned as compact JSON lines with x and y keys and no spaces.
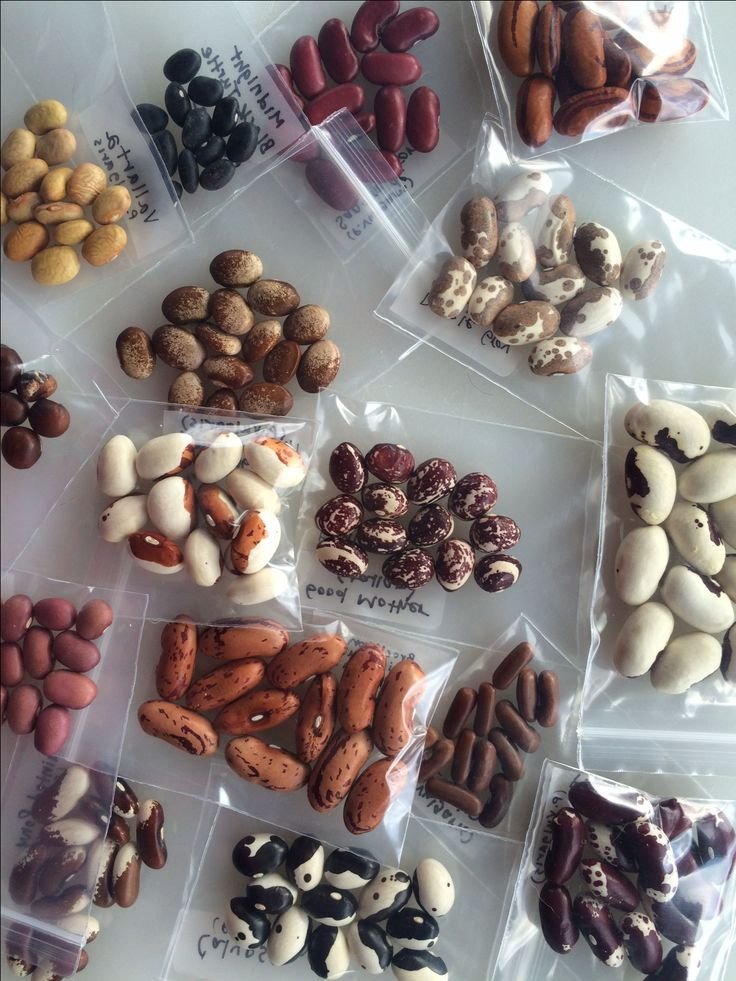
{"x":682,"y":486}
{"x":226,"y":345}
{"x":332,"y":907}
{"x":25,"y":396}
{"x":409,"y":564}
{"x":38,"y":199}
{"x":79,"y":857}
{"x":60,"y":636}
{"x":265,"y":682}
{"x":471,"y":755}
{"x":680,"y":853}
{"x":557,"y":293}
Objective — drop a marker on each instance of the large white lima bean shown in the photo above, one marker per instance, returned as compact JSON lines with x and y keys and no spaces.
{"x":640,"y":563}
{"x":116,"y":467}
{"x":696,"y":599}
{"x":694,"y":536}
{"x":679,"y":431}
{"x":202,"y":558}
{"x":710,"y":479}
{"x":642,"y":638}
{"x":723,"y":514}
{"x":123,"y":517}
{"x":685,"y":661}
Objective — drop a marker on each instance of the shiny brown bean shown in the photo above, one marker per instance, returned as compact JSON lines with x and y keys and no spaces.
{"x":484,"y":709}
{"x":548,"y":695}
{"x":24,"y":705}
{"x":337,"y":53}
{"x":436,"y":759}
{"x":463,"y":754}
{"x":455,"y":796}
{"x":389,"y":107}
{"x":23,"y":877}
{"x":514,"y":725}
{"x":175,"y":667}
{"x":423,"y":119}
{"x":118,"y":830}
{"x":59,"y":868}
{"x":526,"y":694}
{"x":150,"y":834}
{"x":497,"y":805}
{"x":482,"y":764}
{"x":72,"y":900}
{"x":125,"y":799}
{"x":11,"y":664}
{"x":126,"y":875}
{"x":460,"y":708}
{"x":508,"y":756}
{"x":306,"y":67}
{"x":508,"y":670}
{"x":403,"y":32}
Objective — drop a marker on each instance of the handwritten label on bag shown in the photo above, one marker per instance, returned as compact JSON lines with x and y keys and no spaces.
{"x":428,"y":806}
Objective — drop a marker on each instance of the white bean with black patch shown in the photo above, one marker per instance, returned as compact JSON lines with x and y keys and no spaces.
{"x":330,"y":905}
{"x":350,"y":869}
{"x":382,"y":897}
{"x":271,"y":893}
{"x":369,"y":946}
{"x":412,"y":928}
{"x":327,"y":950}
{"x":305,"y":863}
{"x":246,"y":926}
{"x":418,"y":965}
{"x":433,"y":887}
{"x":288,"y":937}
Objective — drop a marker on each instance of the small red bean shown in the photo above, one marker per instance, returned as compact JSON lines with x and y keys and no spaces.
{"x":390,"y":109}
{"x":347,"y":96}
{"x":75,"y":652}
{"x":328,"y":181}
{"x":55,"y":613}
{"x":16,"y":616}
{"x":94,"y":618}
{"x":387,"y":68}
{"x":309,"y":149}
{"x":370,"y":20}
{"x":69,"y":689}
{"x":413,"y":25}
{"x":306,"y":67}
{"x":11,"y":664}
{"x":423,"y":119}
{"x":337,"y":52}
{"x":52,"y":729}
{"x":24,"y":704}
{"x":37,"y":654}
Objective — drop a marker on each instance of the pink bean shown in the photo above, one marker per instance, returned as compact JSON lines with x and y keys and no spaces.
{"x":69,"y":689}
{"x":347,"y":96}
{"x":393,"y":161}
{"x":94,"y":618}
{"x":16,"y":616}
{"x":285,"y":75}
{"x":55,"y":613}
{"x":75,"y":652}
{"x":11,"y":664}
{"x":24,"y":704}
{"x":37,"y":652}
{"x":390,"y":109}
{"x":423,"y":119}
{"x":413,"y":25}
{"x":370,"y":20}
{"x":387,"y":68}
{"x":337,"y":52}
{"x":52,"y":729}
{"x":328,"y":181}
{"x":306,"y":68}
{"x":366,"y":121}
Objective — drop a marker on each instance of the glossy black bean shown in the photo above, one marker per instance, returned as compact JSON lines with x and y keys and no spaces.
{"x":205,"y":91}
{"x":177,"y":102}
{"x":226,"y":116}
{"x":217,"y":175}
{"x":166,"y":146}
{"x":211,"y":150}
{"x":182,"y":66}
{"x":153,"y":117}
{"x":242,"y":142}
{"x":196,"y":129}
{"x":188,"y":171}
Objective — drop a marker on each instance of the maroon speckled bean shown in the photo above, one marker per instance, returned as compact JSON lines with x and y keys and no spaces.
{"x":328,"y":181}
{"x":11,"y":664}
{"x":423,"y":119}
{"x":55,"y":613}
{"x":306,"y":67}
{"x":75,"y":652}
{"x":288,"y":81}
{"x":15,"y":617}
{"x":387,"y":68}
{"x":94,"y":618}
{"x":52,"y":729}
{"x":337,"y":52}
{"x":370,"y":20}
{"x":37,"y":652}
{"x":366,"y":121}
{"x":24,"y":704}
{"x":413,"y":25}
{"x":348,"y":96}
{"x":390,"y":108}
{"x":69,"y":689}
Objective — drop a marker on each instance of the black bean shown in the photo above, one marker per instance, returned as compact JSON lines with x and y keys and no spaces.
{"x":178,"y":188}
{"x":166,"y":146}
{"x":217,"y":175}
{"x":242,"y":143}
{"x":226,"y":116}
{"x":177,"y":102}
{"x":188,"y":171}
{"x":210,"y":151}
{"x":182,"y":66}
{"x":205,"y":91}
{"x":152,"y":117}
{"x":196,"y":129}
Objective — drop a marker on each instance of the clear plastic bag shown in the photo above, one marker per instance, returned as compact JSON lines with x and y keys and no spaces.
{"x":625,"y":719}
{"x":698,"y":278}
{"x":111,"y":564}
{"x":570,"y":464}
{"x":648,"y":50}
{"x":524,"y":952}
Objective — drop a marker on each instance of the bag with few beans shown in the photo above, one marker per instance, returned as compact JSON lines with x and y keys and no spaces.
{"x":565,"y":73}
{"x":660,"y":686}
{"x":543,"y":277}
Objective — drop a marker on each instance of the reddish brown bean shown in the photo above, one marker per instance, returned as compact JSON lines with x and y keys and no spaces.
{"x":286,"y":78}
{"x":436,"y":759}
{"x":463,"y":753}
{"x":329,"y":183}
{"x":387,"y":68}
{"x":37,"y":652}
{"x":349,"y":96}
{"x":458,"y":797}
{"x":11,"y":664}
{"x":548,"y":41}
{"x":24,"y":704}
{"x":337,"y":52}
{"x":74,"y":652}
{"x":150,"y":834}
{"x":55,"y":613}
{"x":497,"y":805}
{"x":460,"y":708}
{"x":306,"y":67}
{"x":485,"y":708}
{"x":508,"y":670}
{"x":370,"y":21}
{"x":548,"y":706}
{"x":94,"y":618}
{"x":526,"y":694}
{"x":53,"y":726}
{"x":413,"y":25}
{"x":508,"y":755}
{"x":514,"y":725}
{"x":482,"y":764}
{"x":423,"y":119}
{"x":118,"y":830}
{"x":16,"y":617}
{"x":69,"y":689}
{"x":389,"y":106}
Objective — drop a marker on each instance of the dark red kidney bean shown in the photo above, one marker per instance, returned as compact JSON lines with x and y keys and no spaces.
{"x":327,"y":180}
{"x":125,"y":800}
{"x":548,"y":699}
{"x":392,"y":160}
{"x":484,"y":709}
{"x":497,"y":805}
{"x":671,"y":922}
{"x":508,"y":756}
{"x":59,"y":868}
{"x":347,"y":96}
{"x":455,"y":796}
{"x":610,"y":803}
{"x":566,"y":847}
{"x":423,"y":119}
{"x":716,"y":838}
{"x":16,"y":617}
{"x":308,"y":148}
{"x":463,"y":753}
{"x":651,"y":850}
{"x":460,"y":708}
{"x":555,"y":917}
{"x":55,"y":613}
{"x":642,"y":943}
{"x":283,"y":72}
{"x":337,"y":52}
{"x":366,"y":121}
{"x":24,"y":705}
{"x":526,"y":694}
{"x":672,"y":818}
{"x":150,"y":834}
{"x":514,"y":725}
{"x":23,"y":877}
{"x":11,"y":664}
{"x":389,"y":106}
{"x":413,"y":25}
{"x":608,"y":843}
{"x":508,"y":670}
{"x":53,"y":725}
{"x":609,"y":885}
{"x":75,"y":652}
{"x":37,"y":652}
{"x":387,"y":68}
{"x":306,"y":67}
{"x":436,"y":759}
{"x":596,"y":924}
{"x":482,"y":764}
{"x":369,"y":22}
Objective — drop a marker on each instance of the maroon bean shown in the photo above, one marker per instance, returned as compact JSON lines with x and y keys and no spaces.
{"x":455,"y":796}
{"x":671,"y":922}
{"x":67,"y":688}
{"x":37,"y":652}
{"x":526,"y":694}
{"x":306,"y":68}
{"x":716,"y":838}
{"x":387,"y":68}
{"x":507,"y":671}
{"x":126,"y":874}
{"x":508,"y":755}
{"x":366,"y":121}
{"x":609,"y":803}
{"x":463,"y":754}
{"x":652,"y":852}
{"x":125,"y":800}
{"x":514,"y":725}
{"x":16,"y":617}
{"x":596,"y":925}
{"x":460,"y":708}
{"x":497,"y":805}
{"x":566,"y":846}
{"x":682,"y":963}
{"x":3,"y":702}
{"x":55,"y":613}
{"x":283,"y":72}
{"x":11,"y":664}
{"x":118,"y":830}
{"x":671,"y":818}
{"x":75,"y":652}
{"x":393,"y":161}
{"x":150,"y":834}
{"x":423,"y":119}
{"x":413,"y":25}
{"x":687,"y":864}
{"x":484,"y":709}
{"x":53,"y":726}
{"x":58,"y":870}
{"x":389,"y":106}
{"x":609,"y":885}
{"x":482,"y":764}
{"x":370,"y":20}
{"x":348,"y":96}
{"x":337,"y":52}
{"x":24,"y":704}
{"x":436,"y":759}
{"x":308,"y":148}
{"x":328,"y":182}
{"x":641,"y":942}
{"x":555,"y":917}
{"x":94,"y":618}
{"x":548,"y":705}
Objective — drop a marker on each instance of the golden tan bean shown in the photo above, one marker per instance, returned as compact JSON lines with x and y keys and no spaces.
{"x":25,"y":241}
{"x":19,"y":144}
{"x":110,"y":205}
{"x":24,"y":176}
{"x":85,"y":183}
{"x":57,"y":146}
{"x":21,"y":209}
{"x":55,"y":214}
{"x":45,"y":116}
{"x":55,"y":265}
{"x":73,"y":232}
{"x":104,"y":245}
{"x":53,"y":186}
{"x":3,"y":209}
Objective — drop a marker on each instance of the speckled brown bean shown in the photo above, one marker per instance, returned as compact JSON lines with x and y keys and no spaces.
{"x":223,"y":398}
{"x":478,"y":231}
{"x":457,"y":714}
{"x":261,"y":339}
{"x":319,"y":366}
{"x":264,"y":398}
{"x":337,"y":769}
{"x":230,"y":313}
{"x":251,"y":637}
{"x":371,"y":795}
{"x":186,"y":305}
{"x":507,"y":671}
{"x":485,"y":708}
{"x":267,"y":766}
{"x":218,"y":341}
{"x":307,"y":324}
{"x":526,"y":694}
{"x":273,"y":297}
{"x":356,"y":694}
{"x":135,"y":352}
{"x":186,"y":389}
{"x":223,"y":685}
{"x":516,"y":27}
{"x":175,"y":667}
{"x":180,"y":727}
{"x":225,"y":372}
{"x":178,"y":348}
{"x":316,"y":654}
{"x":280,"y":364}
{"x":455,"y":796}
{"x":393,"y":724}
{"x":315,"y":722}
{"x":463,"y":753}
{"x":508,"y":756}
{"x":257,"y":711}
{"x":236,"y":268}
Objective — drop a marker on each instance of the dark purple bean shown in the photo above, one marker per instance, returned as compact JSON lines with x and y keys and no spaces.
{"x":697,"y":898}
{"x":566,"y":847}
{"x":609,"y":885}
{"x":608,"y":802}
{"x":177,"y":102}
{"x":672,"y":818}
{"x":555,"y":917}
{"x":596,"y":925}
{"x":716,"y":838}
{"x":652,"y":852}
{"x":671,"y":922}
{"x":682,"y":963}
{"x":642,"y":943}
{"x":226,"y":116}
{"x":608,"y":843}
{"x":166,"y":146}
